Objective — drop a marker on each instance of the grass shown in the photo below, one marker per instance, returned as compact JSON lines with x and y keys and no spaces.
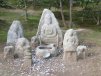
{"x":91,"y":36}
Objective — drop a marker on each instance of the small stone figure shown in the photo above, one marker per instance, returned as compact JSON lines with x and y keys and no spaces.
{"x":70,"y":44}
{"x":81,"y":51}
{"x":21,"y":46}
{"x":15,"y":32}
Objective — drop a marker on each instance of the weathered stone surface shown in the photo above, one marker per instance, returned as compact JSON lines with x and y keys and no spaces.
{"x":46,"y":51}
{"x":70,"y":44}
{"x":15,"y":32}
{"x":53,"y":50}
{"x":42,"y":52}
{"x":34,"y":42}
{"x":81,"y":51}
{"x":69,"y":57}
{"x":49,"y":31}
{"x":8,"y":52}
{"x":22,"y":47}
{"x":70,"y":41}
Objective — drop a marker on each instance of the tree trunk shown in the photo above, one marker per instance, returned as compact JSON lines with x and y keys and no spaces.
{"x":70,"y":13}
{"x":26,"y":14}
{"x":98,"y":20}
{"x":34,"y":4}
{"x":62,"y":15}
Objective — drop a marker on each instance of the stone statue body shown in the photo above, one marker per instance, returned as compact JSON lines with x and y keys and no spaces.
{"x":70,"y":41}
{"x":14,"y":32}
{"x":49,"y":30}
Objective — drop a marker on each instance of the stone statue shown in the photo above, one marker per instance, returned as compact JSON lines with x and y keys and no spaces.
{"x":34,"y":42}
{"x":70,"y":41}
{"x":70,"y":44}
{"x":14,"y":32}
{"x":22,"y":47}
{"x":23,"y":50}
{"x":81,"y":51}
{"x":48,"y":29}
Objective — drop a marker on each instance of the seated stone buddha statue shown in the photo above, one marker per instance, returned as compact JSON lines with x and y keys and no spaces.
{"x":49,"y":30}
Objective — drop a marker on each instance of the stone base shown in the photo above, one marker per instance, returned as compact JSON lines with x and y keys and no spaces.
{"x":8,"y":52}
{"x":69,"y":56}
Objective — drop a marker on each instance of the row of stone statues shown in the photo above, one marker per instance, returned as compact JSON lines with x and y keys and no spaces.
{"x":47,"y":42}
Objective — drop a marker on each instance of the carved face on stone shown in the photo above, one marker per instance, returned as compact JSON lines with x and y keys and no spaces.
{"x":47,"y":19}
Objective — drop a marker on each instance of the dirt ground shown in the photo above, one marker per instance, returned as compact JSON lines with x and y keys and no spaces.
{"x":90,"y":66}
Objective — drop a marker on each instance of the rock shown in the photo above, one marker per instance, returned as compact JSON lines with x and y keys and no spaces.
{"x":49,"y":31}
{"x":70,"y":44}
{"x":69,"y":57}
{"x":34,"y":42}
{"x":8,"y":52}
{"x":53,"y":50}
{"x":42,"y":52}
{"x":70,"y":41}
{"x":81,"y":50}
{"x":15,"y":32}
{"x":22,"y":47}
{"x":23,"y":50}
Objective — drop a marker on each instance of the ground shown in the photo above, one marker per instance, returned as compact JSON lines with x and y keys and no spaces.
{"x":55,"y":66}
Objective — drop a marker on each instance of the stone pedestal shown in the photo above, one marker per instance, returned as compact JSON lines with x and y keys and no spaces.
{"x":27,"y":60}
{"x":69,"y":56}
{"x":9,"y":52}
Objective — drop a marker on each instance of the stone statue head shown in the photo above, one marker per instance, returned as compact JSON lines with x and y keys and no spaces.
{"x":47,"y":19}
{"x":15,"y":25}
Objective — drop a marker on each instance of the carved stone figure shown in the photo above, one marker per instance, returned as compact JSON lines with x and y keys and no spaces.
{"x":70,"y":44}
{"x":15,"y":32}
{"x":22,"y":48}
{"x":48,"y":29}
{"x":81,"y":51}
{"x":70,"y":41}
{"x":49,"y":36}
